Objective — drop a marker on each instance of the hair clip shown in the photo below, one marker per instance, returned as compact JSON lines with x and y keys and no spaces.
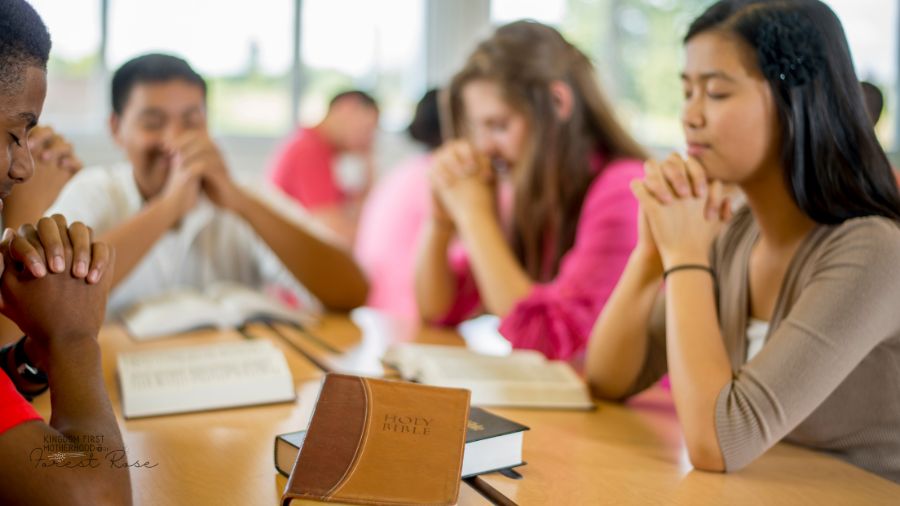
{"x":789,"y":48}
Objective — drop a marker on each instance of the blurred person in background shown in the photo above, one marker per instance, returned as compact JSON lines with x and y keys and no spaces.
{"x":393,"y":215}
{"x":305,"y":167}
{"x":536,"y":187}
{"x":176,"y":216}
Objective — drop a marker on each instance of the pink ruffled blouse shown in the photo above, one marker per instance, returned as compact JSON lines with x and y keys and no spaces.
{"x":556,"y":317}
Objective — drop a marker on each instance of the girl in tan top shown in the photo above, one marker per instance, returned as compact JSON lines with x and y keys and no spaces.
{"x":810,"y":268}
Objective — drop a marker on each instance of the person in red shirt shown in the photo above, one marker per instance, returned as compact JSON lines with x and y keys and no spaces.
{"x":304,"y":167}
{"x":54,"y":286}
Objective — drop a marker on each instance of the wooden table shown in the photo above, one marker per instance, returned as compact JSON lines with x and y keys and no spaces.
{"x":631,"y":454}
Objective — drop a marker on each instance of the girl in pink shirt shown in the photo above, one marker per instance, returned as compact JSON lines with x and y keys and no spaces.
{"x":536,"y":187}
{"x":392,"y":218}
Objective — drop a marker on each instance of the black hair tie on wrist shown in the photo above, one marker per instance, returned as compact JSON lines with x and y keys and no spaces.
{"x":685,"y":267}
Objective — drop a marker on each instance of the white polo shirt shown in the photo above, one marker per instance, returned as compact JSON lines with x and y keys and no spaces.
{"x":209,"y":245}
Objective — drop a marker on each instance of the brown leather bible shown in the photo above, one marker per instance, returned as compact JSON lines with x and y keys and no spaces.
{"x":493,"y":443}
{"x":382,"y":442}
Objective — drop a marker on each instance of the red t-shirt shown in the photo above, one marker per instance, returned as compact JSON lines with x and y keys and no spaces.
{"x":14,"y":409}
{"x":304,"y":169}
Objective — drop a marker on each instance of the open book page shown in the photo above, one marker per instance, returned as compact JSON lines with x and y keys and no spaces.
{"x":222,"y":305}
{"x":199,"y":378}
{"x":408,"y":359}
{"x":174,"y":313}
{"x":524,"y":378}
{"x":238,"y":299}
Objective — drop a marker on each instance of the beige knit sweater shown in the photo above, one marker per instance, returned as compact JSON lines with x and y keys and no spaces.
{"x":828,"y":376}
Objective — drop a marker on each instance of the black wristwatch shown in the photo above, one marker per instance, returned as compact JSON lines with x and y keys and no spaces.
{"x":28,"y":371}
{"x":25,"y":371}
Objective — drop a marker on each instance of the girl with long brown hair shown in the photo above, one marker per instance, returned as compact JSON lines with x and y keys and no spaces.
{"x":535,"y":187}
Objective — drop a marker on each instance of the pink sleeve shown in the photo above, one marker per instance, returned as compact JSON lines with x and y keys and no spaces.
{"x":557,"y":317}
{"x":304,"y":172}
{"x":467,"y":298}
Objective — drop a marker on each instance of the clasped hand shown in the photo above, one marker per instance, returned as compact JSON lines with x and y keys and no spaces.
{"x":682,"y":211}
{"x":55,"y":280}
{"x":197,"y":165}
{"x":462,"y":183}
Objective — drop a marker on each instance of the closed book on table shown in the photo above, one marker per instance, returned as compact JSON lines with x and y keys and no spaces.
{"x":493,"y":443}
{"x":382,"y":442}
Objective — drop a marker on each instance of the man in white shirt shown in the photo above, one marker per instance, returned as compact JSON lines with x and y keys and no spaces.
{"x":175,"y":216}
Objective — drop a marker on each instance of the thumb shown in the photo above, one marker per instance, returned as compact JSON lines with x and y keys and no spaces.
{"x":7,"y":238}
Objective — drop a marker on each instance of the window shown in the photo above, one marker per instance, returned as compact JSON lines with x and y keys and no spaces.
{"x":76,"y":96}
{"x":244,"y":50}
{"x":871,"y":28}
{"x":362,"y":44}
{"x":551,"y":12}
{"x":246,"y":53}
{"x":636,"y":46}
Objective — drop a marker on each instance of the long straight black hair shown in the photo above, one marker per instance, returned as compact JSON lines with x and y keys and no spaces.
{"x":834,"y":165}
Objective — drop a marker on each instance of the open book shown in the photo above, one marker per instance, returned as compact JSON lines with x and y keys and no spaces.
{"x":521,"y":379}
{"x":200,"y":378}
{"x":221,"y":305}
